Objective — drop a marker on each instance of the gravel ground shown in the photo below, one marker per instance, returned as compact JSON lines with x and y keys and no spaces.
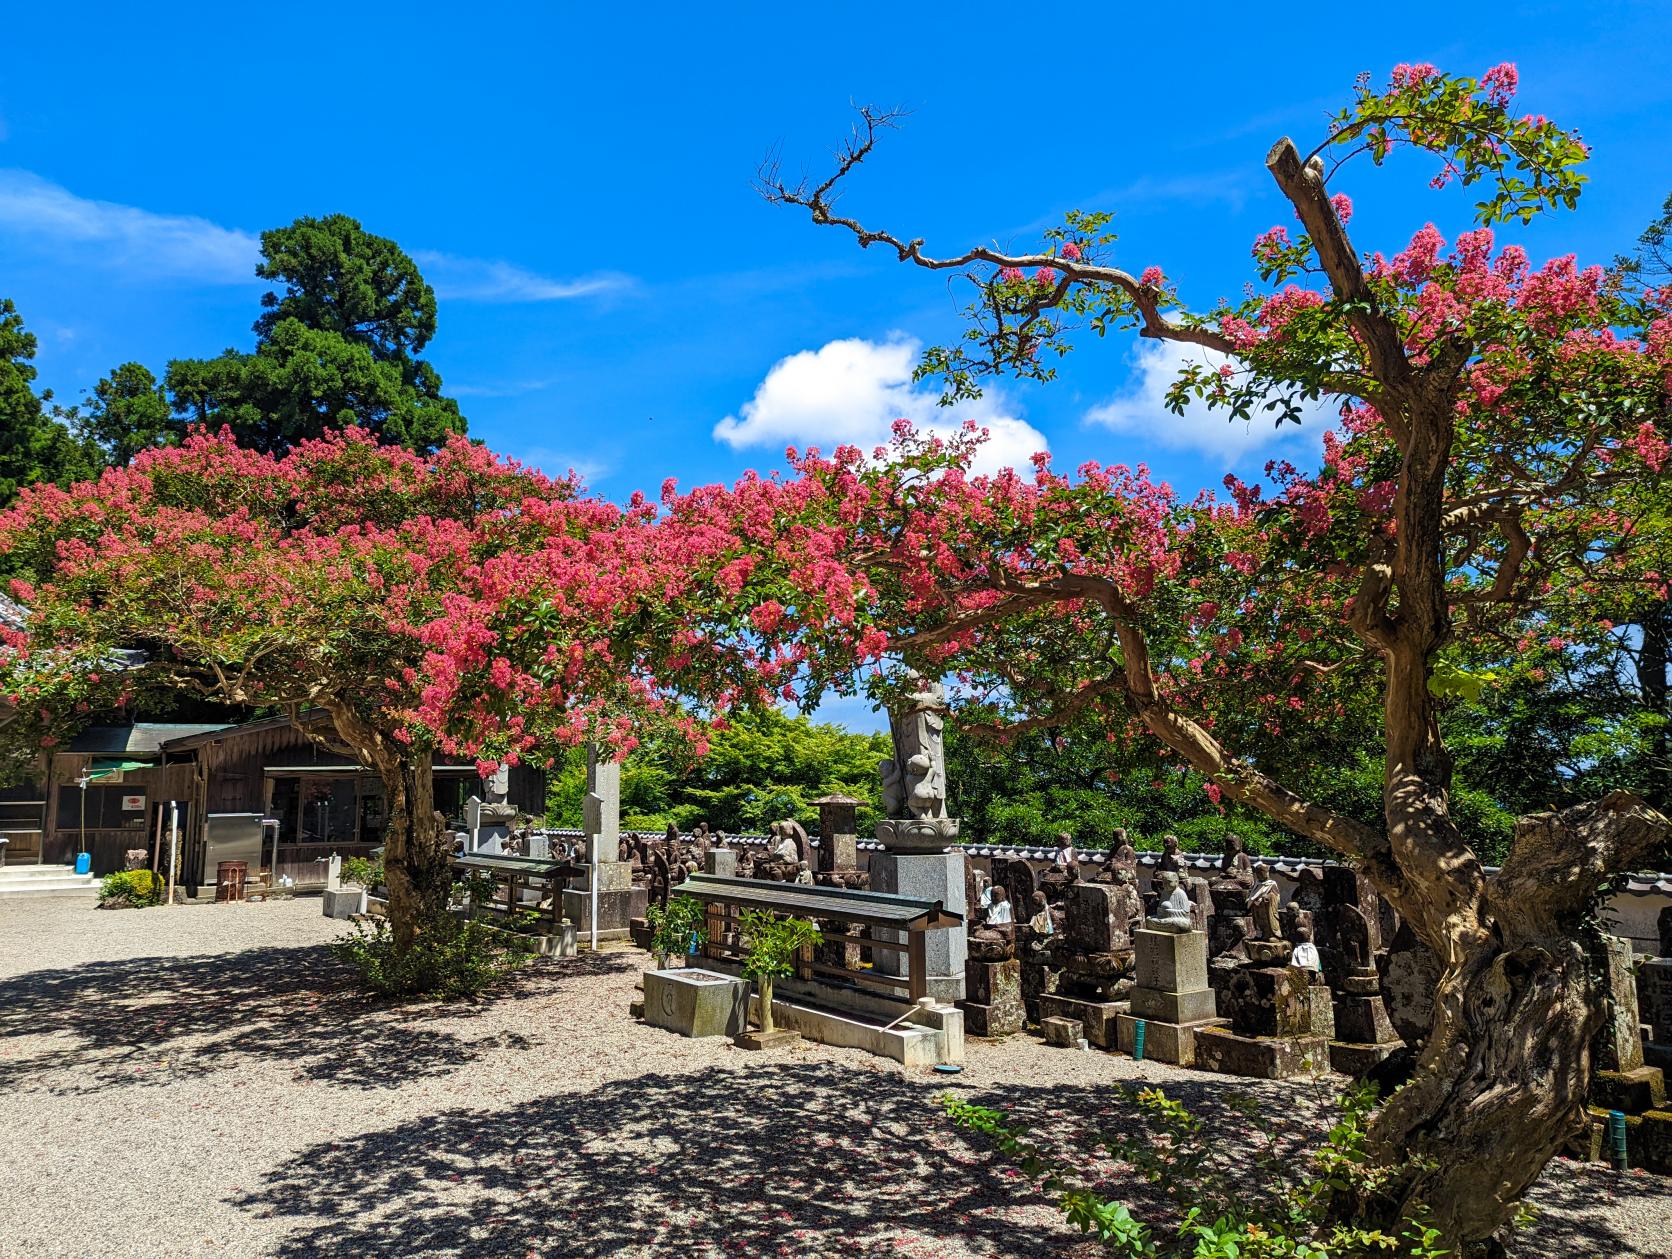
{"x":202,"y":1081}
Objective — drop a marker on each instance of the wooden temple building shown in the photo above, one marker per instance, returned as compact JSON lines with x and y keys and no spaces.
{"x":110,"y":789}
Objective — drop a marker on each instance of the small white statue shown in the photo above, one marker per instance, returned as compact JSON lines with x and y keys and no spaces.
{"x":998,"y":907}
{"x":1305,"y":953}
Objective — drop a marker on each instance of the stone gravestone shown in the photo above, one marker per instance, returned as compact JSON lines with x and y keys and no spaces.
{"x":1096,"y":957}
{"x":1622,"y":1079}
{"x":619,"y":902}
{"x":1172,"y":996}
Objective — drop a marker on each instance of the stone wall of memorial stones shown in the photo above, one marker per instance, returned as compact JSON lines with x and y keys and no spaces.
{"x":1632,"y":912}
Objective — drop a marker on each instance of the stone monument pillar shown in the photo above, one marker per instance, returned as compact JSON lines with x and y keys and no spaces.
{"x":1172,"y":996}
{"x":619,"y":902}
{"x":915,"y":834}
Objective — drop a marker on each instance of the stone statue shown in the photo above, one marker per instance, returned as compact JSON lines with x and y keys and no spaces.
{"x":1175,"y":912}
{"x":1352,"y":937}
{"x":803,"y":874}
{"x":1129,"y":906}
{"x":914,"y":779}
{"x":1041,"y":922}
{"x":998,"y":907}
{"x":1125,"y":856}
{"x":1169,"y":859}
{"x":1067,"y":858}
{"x":1234,"y":866}
{"x":1264,"y":905}
{"x":1305,"y":953}
{"x":786,"y":849}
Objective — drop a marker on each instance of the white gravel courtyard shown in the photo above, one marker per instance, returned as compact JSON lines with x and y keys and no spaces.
{"x":205,"y":1081}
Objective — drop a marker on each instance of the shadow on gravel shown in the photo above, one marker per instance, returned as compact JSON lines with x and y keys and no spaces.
{"x":161,"y":1019}
{"x":777,"y":1157}
{"x":1580,"y":1205}
{"x":799,"y":1159}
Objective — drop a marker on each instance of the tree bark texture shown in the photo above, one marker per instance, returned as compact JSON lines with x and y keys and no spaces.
{"x":416,"y":852}
{"x":1501,"y":1082}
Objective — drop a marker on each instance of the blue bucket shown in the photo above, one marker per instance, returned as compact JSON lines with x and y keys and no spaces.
{"x":84,"y":863}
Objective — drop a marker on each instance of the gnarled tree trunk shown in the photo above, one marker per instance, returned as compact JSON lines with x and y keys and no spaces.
{"x":1501,"y":1081}
{"x":416,"y":851}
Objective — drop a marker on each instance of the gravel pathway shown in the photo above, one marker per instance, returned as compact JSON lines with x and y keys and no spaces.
{"x":203,"y":1081}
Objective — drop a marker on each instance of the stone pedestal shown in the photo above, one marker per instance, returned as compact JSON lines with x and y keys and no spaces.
{"x":1261,"y":1057}
{"x":1172,"y":996}
{"x":926,"y":876}
{"x":720,"y":862}
{"x":994,"y":1006}
{"x":1097,"y":1018}
{"x":1063,"y":1033}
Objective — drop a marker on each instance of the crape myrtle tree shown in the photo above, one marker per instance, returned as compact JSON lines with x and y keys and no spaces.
{"x":1498,"y":422}
{"x":452,"y":604}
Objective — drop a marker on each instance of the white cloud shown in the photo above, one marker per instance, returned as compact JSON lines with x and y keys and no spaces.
{"x":142,"y":243}
{"x":1141,"y":409}
{"x":125,"y":236}
{"x":851,"y":392}
{"x":486,"y":280}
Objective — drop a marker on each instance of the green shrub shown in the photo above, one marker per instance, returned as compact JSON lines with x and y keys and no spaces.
{"x":673,"y":925}
{"x":136,"y":889}
{"x":366,"y":871}
{"x":448,"y":958}
{"x":1230,"y":1200}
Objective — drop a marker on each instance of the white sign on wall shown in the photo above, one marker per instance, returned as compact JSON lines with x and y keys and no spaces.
{"x":133,"y":804}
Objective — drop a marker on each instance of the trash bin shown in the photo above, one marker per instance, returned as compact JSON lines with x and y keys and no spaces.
{"x":84,"y":863}
{"x":229,"y":880}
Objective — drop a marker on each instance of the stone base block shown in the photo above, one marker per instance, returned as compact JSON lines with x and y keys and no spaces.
{"x":1359,"y":1060}
{"x":1649,"y":1142}
{"x":1362,"y":1020}
{"x":1097,"y":1018}
{"x":696,"y":1002}
{"x":1064,"y":1033}
{"x":344,"y":902}
{"x":1164,"y":1042}
{"x":778,"y":1038}
{"x":1260,"y":1057}
{"x":1634,"y":1091}
{"x":616,"y":910}
{"x":1268,"y":952}
{"x":1173,"y":1007}
{"x":991,"y":1021}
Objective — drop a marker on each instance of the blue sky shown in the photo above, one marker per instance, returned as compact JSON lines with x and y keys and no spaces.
{"x":576,"y":182}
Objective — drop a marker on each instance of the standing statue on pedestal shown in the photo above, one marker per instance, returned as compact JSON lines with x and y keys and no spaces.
{"x":914,"y":779}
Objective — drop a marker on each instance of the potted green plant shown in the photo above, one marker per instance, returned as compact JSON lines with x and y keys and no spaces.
{"x":771,"y":943}
{"x":677,"y":927}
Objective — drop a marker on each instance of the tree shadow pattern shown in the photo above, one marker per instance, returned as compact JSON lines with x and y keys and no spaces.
{"x":158,"y":1020}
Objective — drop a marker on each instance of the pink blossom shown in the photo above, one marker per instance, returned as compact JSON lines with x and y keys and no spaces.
{"x":1071,"y":251}
{"x":1151,"y":278}
{"x":1343,"y":207}
{"x":1500,"y":83}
